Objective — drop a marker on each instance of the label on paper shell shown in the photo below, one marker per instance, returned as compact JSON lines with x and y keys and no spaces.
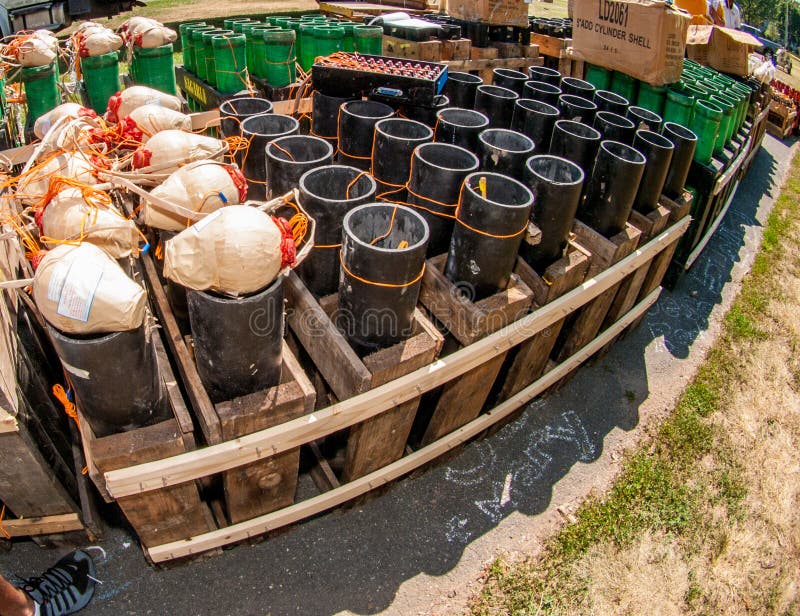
{"x":78,"y":291}
{"x":57,"y":279}
{"x":201,"y":224}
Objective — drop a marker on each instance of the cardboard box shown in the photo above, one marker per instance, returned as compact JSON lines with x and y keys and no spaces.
{"x":645,"y":39}
{"x":723,"y":49}
{"x":493,"y":12}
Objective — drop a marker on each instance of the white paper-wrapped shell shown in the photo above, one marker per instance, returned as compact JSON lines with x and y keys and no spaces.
{"x":236,"y":250}
{"x":36,"y":51}
{"x":47,"y":120}
{"x":33,"y":186}
{"x":168,"y":150}
{"x":69,"y":217}
{"x":82,"y":290}
{"x":97,"y":42}
{"x":152,"y":119}
{"x":123,"y":103}
{"x":203,"y":187}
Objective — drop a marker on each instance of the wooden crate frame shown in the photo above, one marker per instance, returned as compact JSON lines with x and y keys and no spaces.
{"x":263,"y":444}
{"x":463,"y":398}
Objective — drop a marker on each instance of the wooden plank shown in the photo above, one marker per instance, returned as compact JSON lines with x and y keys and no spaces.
{"x":321,"y":472}
{"x":158,"y":516}
{"x":561,"y":277}
{"x":508,"y":50}
{"x":27,"y":484}
{"x":381,"y":440}
{"x":549,"y":45}
{"x":483,"y":53}
{"x":585,"y":323}
{"x":49,"y":525}
{"x":424,"y":51}
{"x":266,"y":485}
{"x":462,"y":399}
{"x":227,"y":455}
{"x":346,"y":492}
{"x":352,"y":9}
{"x":627,"y":294}
{"x":469,"y":321}
{"x":336,"y":360}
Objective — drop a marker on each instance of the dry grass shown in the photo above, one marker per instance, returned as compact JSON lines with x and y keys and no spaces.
{"x":704,"y":518}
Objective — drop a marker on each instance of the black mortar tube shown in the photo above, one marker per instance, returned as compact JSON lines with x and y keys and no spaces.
{"x":644,"y":119}
{"x":611,"y":101}
{"x":576,"y":142}
{"x":460,"y":127}
{"x":497,"y":104}
{"x":325,"y":116}
{"x":685,"y":142}
{"x":657,"y":151}
{"x":426,"y":114}
{"x":536,"y":120}
{"x":487,"y":234}
{"x":504,"y":151}
{"x":259,"y":130}
{"x":372,"y":314}
{"x":556,"y":184}
{"x":577,"y":87}
{"x":237,"y":341}
{"x":576,"y":108}
{"x":509,"y":79}
{"x":327,"y":194}
{"x":234,"y":111}
{"x":115,"y":378}
{"x":437,"y":172}
{"x":460,"y":89}
{"x":290,"y":157}
{"x":615,"y":127}
{"x":395,"y":140}
{"x":542,"y":73}
{"x":612,"y":188}
{"x":356,"y":130}
{"x":542,"y":91}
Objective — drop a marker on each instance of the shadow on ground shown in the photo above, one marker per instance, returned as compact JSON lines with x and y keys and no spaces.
{"x":356,"y":559}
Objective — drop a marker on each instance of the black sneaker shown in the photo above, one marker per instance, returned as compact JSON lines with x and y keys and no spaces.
{"x":64,"y":588}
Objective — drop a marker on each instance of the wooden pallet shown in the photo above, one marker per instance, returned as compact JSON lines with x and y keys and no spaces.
{"x":358,"y":9}
{"x":378,"y":441}
{"x":463,"y":398}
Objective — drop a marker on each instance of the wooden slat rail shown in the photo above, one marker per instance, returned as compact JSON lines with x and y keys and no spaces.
{"x":49,"y":525}
{"x":348,"y":491}
{"x":265,"y":443}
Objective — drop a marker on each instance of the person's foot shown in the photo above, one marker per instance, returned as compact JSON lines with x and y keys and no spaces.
{"x":64,"y":588}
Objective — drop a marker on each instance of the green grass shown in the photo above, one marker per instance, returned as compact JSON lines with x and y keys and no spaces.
{"x":663,"y":486}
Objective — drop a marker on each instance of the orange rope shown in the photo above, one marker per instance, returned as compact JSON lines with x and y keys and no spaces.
{"x":387,"y":285}
{"x":69,"y":407}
